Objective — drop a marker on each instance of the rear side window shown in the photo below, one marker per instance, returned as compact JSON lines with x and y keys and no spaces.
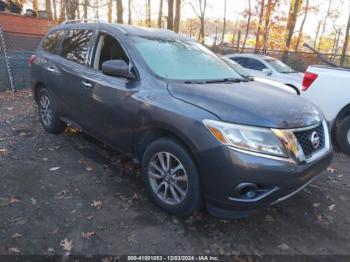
{"x":51,"y":40}
{"x":76,"y":45}
{"x":250,"y":63}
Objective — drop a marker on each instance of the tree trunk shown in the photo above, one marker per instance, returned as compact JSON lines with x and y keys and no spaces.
{"x":324,"y":25}
{"x":109,"y":10}
{"x":96,"y":9}
{"x":85,"y":8}
{"x":317,"y":32}
{"x":201,"y":34}
{"x":346,"y":42}
{"x":267,"y":22}
{"x":71,"y":7}
{"x":170,"y":25}
{"x":302,"y":26}
{"x":177,"y":15}
{"x":129,"y":13}
{"x":160,"y":14}
{"x":238,"y":39}
{"x":54,"y":4}
{"x":224,"y":23}
{"x":261,"y":15}
{"x":248,"y":25}
{"x":216,"y":35}
{"x":119,"y":11}
{"x":148,"y":13}
{"x":62,"y":10}
{"x":35,"y":5}
{"x":48,"y":9}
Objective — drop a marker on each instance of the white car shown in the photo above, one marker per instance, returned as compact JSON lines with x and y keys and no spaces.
{"x":243,"y":72}
{"x":269,"y":68}
{"x":328,"y":88}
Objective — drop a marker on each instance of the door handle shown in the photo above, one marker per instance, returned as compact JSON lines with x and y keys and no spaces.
{"x":86,"y":84}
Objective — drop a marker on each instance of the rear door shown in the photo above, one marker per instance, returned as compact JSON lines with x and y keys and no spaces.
{"x":75,"y":90}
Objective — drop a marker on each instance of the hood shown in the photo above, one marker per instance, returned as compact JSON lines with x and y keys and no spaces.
{"x":249,"y":103}
{"x":275,"y":84}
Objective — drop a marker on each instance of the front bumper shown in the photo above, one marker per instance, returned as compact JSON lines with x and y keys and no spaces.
{"x":223,"y":169}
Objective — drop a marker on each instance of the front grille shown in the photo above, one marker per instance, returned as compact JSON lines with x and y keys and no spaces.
{"x":304,"y":139}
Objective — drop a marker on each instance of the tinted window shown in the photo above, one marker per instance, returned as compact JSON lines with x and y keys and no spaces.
{"x":250,"y":63}
{"x":51,"y":41}
{"x":76,"y":45}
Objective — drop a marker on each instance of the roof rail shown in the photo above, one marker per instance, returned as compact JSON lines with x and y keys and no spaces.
{"x":82,"y":21}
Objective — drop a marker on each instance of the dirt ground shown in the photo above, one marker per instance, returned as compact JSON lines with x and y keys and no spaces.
{"x":70,"y":193}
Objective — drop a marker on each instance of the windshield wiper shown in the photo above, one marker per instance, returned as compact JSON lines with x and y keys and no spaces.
{"x":225,"y":80}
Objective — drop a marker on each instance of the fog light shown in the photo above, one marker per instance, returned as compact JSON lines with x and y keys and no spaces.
{"x":246,"y":190}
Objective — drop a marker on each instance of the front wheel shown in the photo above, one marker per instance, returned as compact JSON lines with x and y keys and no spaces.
{"x":343,"y":135}
{"x":171,"y":177}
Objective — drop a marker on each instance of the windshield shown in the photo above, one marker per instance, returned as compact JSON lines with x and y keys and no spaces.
{"x":183,"y":60}
{"x":279,"y":66}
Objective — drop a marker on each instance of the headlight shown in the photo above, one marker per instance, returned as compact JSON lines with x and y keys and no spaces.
{"x":256,"y":139}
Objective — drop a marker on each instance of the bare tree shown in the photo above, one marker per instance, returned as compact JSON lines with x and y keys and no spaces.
{"x":129,"y":13}
{"x":248,"y":23}
{"x":109,"y":10}
{"x":160,"y":13}
{"x":317,"y":33}
{"x":35,"y":5}
{"x":170,"y":22}
{"x":119,"y":4}
{"x":48,"y":9}
{"x":85,"y":8}
{"x":71,"y":8}
{"x":54,"y":5}
{"x":178,"y":4}
{"x":302,"y":26}
{"x":261,"y":15}
{"x":269,"y":9}
{"x":62,"y":10}
{"x":96,"y":9}
{"x":224,"y":23}
{"x":202,"y":6}
{"x":346,"y":42}
{"x":324,"y":24}
{"x":292,"y":19}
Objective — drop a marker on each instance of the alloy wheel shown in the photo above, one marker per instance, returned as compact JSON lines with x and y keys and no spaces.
{"x":45,"y":110}
{"x":168,"y":178}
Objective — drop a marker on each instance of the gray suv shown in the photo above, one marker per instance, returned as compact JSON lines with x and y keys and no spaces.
{"x":203,"y":134}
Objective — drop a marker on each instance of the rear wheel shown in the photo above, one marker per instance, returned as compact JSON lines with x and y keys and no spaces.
{"x":171,"y":178}
{"x":48,"y":113}
{"x":343,"y":135}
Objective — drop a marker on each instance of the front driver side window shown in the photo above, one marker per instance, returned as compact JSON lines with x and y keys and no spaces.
{"x":108,"y":48}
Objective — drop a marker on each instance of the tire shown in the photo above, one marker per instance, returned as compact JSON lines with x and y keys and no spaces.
{"x":49,"y":120}
{"x":343,"y":135}
{"x":175,"y":202}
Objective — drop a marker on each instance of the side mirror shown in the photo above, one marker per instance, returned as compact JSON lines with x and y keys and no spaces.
{"x":118,"y":68}
{"x":267,"y":71}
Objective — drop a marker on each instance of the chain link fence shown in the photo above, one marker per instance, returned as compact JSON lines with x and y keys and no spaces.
{"x":297,"y":60}
{"x":15,"y":51}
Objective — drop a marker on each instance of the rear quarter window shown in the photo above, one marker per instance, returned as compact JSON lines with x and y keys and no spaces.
{"x":51,"y":40}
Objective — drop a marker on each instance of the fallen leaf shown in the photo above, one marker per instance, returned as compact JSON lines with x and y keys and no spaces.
{"x":97,"y":204}
{"x":33,"y":200}
{"x":331,"y":170}
{"x":283,"y":246}
{"x":66,"y":244}
{"x":331,"y":207}
{"x":14,"y":250}
{"x":269,"y":219}
{"x":50,"y":251}
{"x":16,"y":235}
{"x":54,"y":168}
{"x":316,"y":204}
{"x":135,"y":196}
{"x":89,"y":168}
{"x":12,"y":200}
{"x":87,"y":235}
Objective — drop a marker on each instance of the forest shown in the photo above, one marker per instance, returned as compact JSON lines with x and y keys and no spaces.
{"x":259,"y":24}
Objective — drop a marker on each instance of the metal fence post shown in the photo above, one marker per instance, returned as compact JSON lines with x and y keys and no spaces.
{"x":7,"y":59}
